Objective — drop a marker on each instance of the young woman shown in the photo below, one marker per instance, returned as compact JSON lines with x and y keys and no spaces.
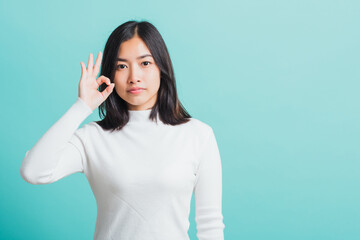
{"x":146,"y":157}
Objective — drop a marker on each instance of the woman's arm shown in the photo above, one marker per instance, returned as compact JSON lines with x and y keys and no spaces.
{"x":59,"y":152}
{"x":208,"y":193}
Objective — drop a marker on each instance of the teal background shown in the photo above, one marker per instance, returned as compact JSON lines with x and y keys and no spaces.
{"x":278,"y":81}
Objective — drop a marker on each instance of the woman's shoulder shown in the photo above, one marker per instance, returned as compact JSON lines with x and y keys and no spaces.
{"x":90,"y":127}
{"x":199,"y":126}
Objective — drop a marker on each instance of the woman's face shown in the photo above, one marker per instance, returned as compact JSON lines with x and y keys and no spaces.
{"x":136,"y":68}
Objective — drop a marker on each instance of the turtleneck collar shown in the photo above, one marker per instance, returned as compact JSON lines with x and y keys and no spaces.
{"x":140,"y":115}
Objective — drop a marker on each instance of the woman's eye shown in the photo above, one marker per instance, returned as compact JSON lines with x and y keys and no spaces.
{"x":146,"y":62}
{"x":119,"y":66}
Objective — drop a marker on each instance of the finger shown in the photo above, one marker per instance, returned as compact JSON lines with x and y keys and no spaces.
{"x":103,"y":79}
{"x":97,"y":64}
{"x":83,"y":70}
{"x":90,"y":64}
{"x":107,"y":91}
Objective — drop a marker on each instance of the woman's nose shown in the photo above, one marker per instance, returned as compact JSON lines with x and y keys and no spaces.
{"x":134,"y":73}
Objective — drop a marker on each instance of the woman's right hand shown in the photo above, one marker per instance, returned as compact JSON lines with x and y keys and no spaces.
{"x":88,"y":85}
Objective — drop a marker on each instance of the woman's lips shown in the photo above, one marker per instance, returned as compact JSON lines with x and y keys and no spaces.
{"x":137,"y":91}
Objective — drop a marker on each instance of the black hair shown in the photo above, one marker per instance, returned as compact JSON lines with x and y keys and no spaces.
{"x":114,"y":109}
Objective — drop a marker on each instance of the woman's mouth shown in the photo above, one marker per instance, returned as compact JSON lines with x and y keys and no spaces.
{"x":137,"y":91}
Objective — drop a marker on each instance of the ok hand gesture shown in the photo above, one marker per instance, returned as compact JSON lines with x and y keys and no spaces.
{"x":88,"y":85}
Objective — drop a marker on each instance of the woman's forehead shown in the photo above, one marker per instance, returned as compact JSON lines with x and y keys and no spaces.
{"x":133,"y":48}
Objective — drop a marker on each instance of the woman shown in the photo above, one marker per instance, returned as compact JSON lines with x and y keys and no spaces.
{"x":146,"y":157}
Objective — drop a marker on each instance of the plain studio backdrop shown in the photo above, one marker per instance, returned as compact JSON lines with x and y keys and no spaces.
{"x":278,"y":81}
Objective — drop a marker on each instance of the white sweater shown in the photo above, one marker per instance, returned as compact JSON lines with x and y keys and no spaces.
{"x":142,"y":176}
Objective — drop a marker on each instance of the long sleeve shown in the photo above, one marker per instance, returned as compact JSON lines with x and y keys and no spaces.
{"x":208,"y":193}
{"x":59,"y":152}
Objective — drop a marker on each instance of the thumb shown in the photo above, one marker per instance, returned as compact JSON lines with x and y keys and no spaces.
{"x":108,"y":90}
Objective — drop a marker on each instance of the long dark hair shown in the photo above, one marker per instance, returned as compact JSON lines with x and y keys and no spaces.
{"x":114,"y":109}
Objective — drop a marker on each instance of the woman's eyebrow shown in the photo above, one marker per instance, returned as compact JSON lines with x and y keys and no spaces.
{"x":142,"y":56}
